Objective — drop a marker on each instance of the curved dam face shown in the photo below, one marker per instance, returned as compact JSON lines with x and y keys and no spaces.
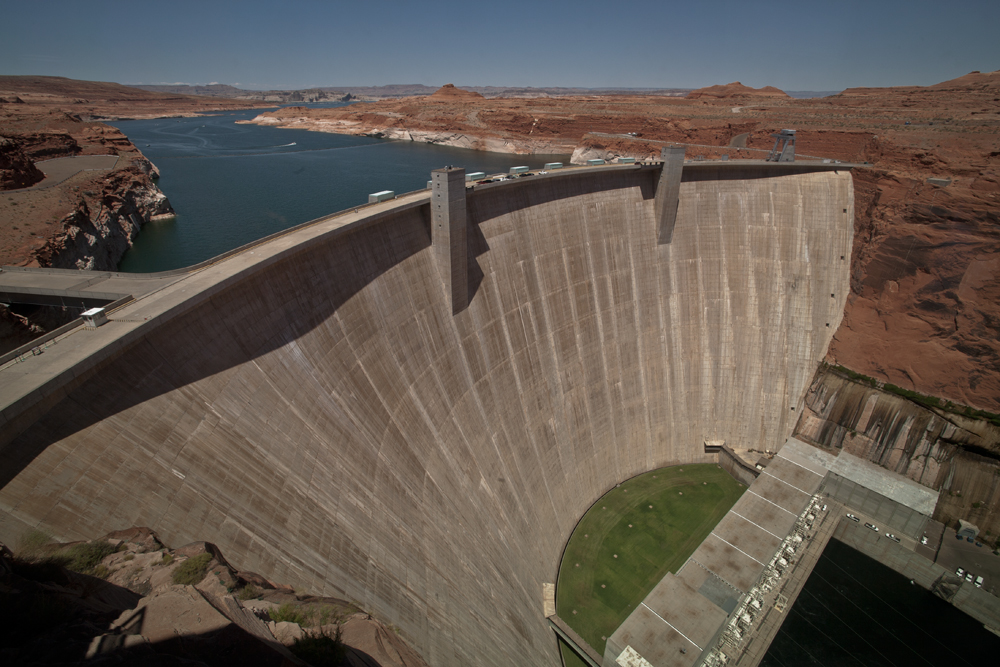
{"x":322,"y":416}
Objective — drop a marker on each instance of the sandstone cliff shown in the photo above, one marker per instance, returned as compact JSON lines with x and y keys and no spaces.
{"x":942,"y":448}
{"x":96,"y":234}
{"x":87,"y":221}
{"x":17,"y":170}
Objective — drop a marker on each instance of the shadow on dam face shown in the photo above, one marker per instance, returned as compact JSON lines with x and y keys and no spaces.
{"x":328,"y":422}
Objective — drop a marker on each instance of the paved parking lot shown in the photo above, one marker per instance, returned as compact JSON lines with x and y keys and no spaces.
{"x":59,"y":169}
{"x":955,"y":553}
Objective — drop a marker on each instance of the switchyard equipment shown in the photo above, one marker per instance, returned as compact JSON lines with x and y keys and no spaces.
{"x":786,"y":139}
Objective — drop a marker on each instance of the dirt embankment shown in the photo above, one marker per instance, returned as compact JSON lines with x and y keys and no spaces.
{"x":924,"y":310}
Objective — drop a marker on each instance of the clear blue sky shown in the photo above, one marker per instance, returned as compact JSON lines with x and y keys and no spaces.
{"x":806,"y":45}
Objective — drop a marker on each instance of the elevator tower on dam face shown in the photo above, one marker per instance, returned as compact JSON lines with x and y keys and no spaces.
{"x":336,"y":410}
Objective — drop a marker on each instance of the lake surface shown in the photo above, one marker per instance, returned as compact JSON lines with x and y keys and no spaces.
{"x":855,"y":611}
{"x":233,"y":184}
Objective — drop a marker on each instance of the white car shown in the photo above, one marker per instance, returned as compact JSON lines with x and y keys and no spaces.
{"x":960,"y":572}
{"x":979,"y":581}
{"x":923,"y":540}
{"x":968,"y":577}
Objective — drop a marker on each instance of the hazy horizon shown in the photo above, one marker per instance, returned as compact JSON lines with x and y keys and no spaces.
{"x":434,"y":85}
{"x":263,"y":45}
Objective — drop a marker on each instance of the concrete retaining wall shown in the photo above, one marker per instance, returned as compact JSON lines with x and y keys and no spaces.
{"x":740,"y":470}
{"x":327,"y":421}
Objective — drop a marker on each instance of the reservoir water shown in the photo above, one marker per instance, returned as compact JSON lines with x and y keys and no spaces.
{"x":233,"y":184}
{"x":855,"y":611}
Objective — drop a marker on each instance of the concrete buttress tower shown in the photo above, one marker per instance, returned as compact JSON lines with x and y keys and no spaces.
{"x":449,"y":235}
{"x":668,"y":192}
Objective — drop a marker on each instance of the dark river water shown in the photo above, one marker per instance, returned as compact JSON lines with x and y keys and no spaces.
{"x":233,"y":184}
{"x":855,"y":611}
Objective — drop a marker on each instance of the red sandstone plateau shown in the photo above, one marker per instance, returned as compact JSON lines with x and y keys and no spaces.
{"x":924,"y":309}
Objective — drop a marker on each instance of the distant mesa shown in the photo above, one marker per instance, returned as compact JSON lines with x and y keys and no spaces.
{"x":976,"y":81}
{"x":972,"y":80}
{"x":449,"y":92}
{"x":736,"y":89}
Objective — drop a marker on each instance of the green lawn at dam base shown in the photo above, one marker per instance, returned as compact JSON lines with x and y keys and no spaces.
{"x":632,"y":537}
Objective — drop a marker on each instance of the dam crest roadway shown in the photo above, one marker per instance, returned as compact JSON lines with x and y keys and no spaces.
{"x":345,"y":408}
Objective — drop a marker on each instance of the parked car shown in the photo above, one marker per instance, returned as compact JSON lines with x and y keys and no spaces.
{"x":960,"y":572}
{"x":923,"y":540}
{"x":968,"y":577}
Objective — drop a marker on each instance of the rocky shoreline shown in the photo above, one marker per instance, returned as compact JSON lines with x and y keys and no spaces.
{"x":99,"y":230}
{"x":299,"y":118}
{"x":89,"y":219}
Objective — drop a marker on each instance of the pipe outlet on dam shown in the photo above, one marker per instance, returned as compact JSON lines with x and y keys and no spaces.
{"x":334,"y":412}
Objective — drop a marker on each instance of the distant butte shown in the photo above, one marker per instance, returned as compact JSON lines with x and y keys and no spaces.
{"x":450,"y":93}
{"x":735,"y":89}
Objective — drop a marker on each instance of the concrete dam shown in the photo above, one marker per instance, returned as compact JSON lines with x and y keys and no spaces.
{"x":321,"y":407}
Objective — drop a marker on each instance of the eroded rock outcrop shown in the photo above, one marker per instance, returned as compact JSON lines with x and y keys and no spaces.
{"x":941,"y":448}
{"x":96,"y":234}
{"x":17,"y":170}
{"x":126,"y":598}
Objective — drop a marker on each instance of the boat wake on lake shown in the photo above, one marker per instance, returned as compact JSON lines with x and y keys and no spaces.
{"x":257,"y":152}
